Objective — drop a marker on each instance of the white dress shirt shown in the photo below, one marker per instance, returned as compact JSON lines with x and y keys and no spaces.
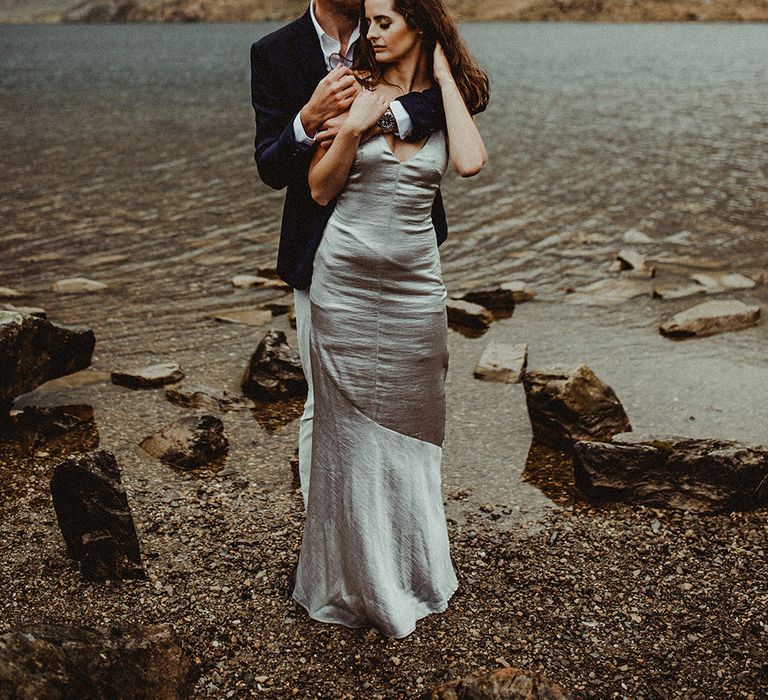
{"x":332,"y":46}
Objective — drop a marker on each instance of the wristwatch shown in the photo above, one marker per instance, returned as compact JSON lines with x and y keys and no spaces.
{"x":387,"y":122}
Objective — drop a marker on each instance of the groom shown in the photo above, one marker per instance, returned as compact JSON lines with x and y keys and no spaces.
{"x":300,"y":84}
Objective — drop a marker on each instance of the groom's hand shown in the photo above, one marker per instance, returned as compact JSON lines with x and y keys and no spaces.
{"x":330,"y":129}
{"x":333,"y":95}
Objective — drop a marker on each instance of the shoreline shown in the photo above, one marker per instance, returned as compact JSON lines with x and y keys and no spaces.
{"x":669,"y":590}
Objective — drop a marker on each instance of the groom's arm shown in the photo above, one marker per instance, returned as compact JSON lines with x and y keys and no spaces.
{"x":279,"y":157}
{"x":425,"y":112}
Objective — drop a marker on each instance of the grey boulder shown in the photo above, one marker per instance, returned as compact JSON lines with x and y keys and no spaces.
{"x":693,"y":474}
{"x":35,"y":350}
{"x":274,"y":371}
{"x":95,"y":518}
{"x":711,"y":317}
{"x":567,"y":404}
{"x":91,"y":663}
{"x":189,"y":442}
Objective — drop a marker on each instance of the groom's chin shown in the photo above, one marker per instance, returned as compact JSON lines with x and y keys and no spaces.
{"x":348,"y":7}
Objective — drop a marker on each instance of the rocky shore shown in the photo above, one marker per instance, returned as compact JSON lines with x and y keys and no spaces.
{"x":612,"y":601}
{"x":620,"y":602}
{"x":509,"y":10}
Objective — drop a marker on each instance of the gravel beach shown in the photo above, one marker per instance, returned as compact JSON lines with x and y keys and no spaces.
{"x":611,"y":602}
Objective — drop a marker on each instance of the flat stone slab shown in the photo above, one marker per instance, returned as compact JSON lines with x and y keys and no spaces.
{"x":29,"y":310}
{"x":677,"y":291}
{"x":629,"y":259}
{"x":714,"y":282}
{"x":246,"y":281}
{"x":502,"y":362}
{"x":465,"y":313}
{"x":77,"y":285}
{"x":277,"y":307}
{"x":693,"y":474}
{"x":8,"y":293}
{"x":501,"y":295}
{"x":149,"y":377}
{"x":247,"y":317}
{"x":609,"y":291}
{"x":637,"y":237}
{"x":205,"y":397}
{"x":710,"y":317}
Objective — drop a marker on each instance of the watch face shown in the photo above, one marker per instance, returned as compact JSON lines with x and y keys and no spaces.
{"x":387,"y":121}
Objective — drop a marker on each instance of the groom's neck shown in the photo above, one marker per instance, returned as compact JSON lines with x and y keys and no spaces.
{"x":337,"y":18}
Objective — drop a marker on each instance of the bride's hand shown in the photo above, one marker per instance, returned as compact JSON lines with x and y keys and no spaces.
{"x":441,"y":67}
{"x":365,"y":111}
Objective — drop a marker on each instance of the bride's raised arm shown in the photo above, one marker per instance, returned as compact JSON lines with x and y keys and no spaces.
{"x":466,"y":147}
{"x":329,"y":169}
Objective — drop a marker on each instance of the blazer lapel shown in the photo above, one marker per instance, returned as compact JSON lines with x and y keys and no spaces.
{"x":309,"y":54}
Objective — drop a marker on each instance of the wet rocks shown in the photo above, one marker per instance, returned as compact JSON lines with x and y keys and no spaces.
{"x":636,"y":237}
{"x":465,"y":313}
{"x":502,"y":362}
{"x":31,"y":310}
{"x":247,"y":281}
{"x":677,"y":291}
{"x":205,"y":397}
{"x":714,"y":282}
{"x":77,"y":285}
{"x":693,"y":474}
{"x":149,"y":377}
{"x":504,"y":684}
{"x":566,"y":404}
{"x":711,"y":317}
{"x":35,"y":350}
{"x":609,"y":291}
{"x":274,"y":371}
{"x":189,"y":442}
{"x":70,"y":661}
{"x":248,"y":316}
{"x":503,"y":295}
{"x":277,"y":307}
{"x":705,"y":282}
{"x":95,"y":518}
{"x":628,"y":259}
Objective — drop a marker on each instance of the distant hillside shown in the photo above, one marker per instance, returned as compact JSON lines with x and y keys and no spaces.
{"x":255,"y":10}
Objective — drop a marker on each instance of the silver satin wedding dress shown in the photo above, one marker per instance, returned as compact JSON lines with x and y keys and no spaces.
{"x":375,"y":548}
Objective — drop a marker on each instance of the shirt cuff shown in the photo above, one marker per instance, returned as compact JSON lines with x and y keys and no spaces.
{"x":298,"y":132}
{"x":403,"y":119}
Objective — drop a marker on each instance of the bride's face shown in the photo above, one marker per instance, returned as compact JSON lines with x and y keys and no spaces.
{"x":391,"y":37}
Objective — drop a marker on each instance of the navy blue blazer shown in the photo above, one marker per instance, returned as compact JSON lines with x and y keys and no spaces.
{"x":286,"y":67}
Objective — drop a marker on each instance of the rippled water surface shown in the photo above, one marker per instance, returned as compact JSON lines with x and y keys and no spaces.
{"x":127,"y":157}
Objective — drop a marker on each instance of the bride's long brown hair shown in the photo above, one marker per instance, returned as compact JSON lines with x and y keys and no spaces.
{"x":431,"y":17}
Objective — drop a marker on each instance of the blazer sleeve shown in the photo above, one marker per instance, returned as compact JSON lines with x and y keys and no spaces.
{"x":426,"y":112}
{"x":280,"y":159}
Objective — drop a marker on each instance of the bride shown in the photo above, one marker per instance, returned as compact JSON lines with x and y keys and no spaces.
{"x":375,"y":548}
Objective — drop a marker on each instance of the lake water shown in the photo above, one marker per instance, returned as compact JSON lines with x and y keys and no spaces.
{"x":128,"y":157}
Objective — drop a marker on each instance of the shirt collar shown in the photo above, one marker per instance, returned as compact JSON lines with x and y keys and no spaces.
{"x":328,"y":43}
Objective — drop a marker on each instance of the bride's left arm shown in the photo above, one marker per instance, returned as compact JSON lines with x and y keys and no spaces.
{"x":466,"y":147}
{"x":329,"y":169}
